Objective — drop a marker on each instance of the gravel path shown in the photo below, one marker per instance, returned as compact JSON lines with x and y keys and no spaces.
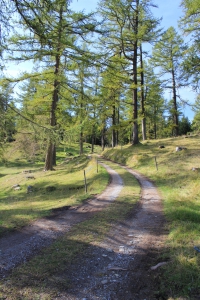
{"x":119,"y":268}
{"x":21,"y":245}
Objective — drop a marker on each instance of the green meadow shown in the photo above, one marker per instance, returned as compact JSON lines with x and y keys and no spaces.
{"x":176,"y":175}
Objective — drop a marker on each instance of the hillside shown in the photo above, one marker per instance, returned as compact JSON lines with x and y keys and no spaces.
{"x":176,"y":176}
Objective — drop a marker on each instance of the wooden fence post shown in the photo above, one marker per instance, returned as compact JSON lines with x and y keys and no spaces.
{"x":85,"y":182}
{"x":156,"y":164}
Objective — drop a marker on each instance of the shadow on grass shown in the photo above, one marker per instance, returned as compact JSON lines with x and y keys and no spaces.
{"x":2,"y":175}
{"x":44,"y":198}
{"x":186,"y":214}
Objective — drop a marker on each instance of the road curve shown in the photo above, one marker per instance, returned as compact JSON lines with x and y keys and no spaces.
{"x":19,"y":246}
{"x":120,"y":266}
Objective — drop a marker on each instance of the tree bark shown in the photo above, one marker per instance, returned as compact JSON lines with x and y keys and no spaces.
{"x":103,"y":138}
{"x":93,"y":137}
{"x":117,"y":133}
{"x":175,"y":112}
{"x":113,"y":130}
{"x":144,"y":135}
{"x":51,"y":151}
{"x":135,"y":139}
{"x":81,"y":143}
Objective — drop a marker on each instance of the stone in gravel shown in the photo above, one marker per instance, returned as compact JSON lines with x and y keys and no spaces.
{"x":158,"y":265}
{"x":109,"y":250}
{"x":130,"y":242}
{"x":104,"y":255}
{"x":121,"y":249}
{"x":110,"y":258}
{"x":104,"y":281}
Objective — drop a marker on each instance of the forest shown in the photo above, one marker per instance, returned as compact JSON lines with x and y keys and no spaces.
{"x":97,"y":77}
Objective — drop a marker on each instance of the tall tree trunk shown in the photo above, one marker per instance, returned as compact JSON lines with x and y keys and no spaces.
{"x":93,"y":137}
{"x":48,"y":158}
{"x":135,"y":99}
{"x":144,"y":135}
{"x":51,"y":150}
{"x":175,"y":112}
{"x":81,"y":117}
{"x":113,"y":130}
{"x":93,"y":133}
{"x":54,"y":155}
{"x":81,"y":142}
{"x":103,"y":139}
{"x":135,"y":139}
{"x":117,"y":133}
{"x":155,"y":125}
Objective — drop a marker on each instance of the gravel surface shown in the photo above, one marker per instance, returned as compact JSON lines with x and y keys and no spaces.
{"x":16,"y":248}
{"x":120,"y":266}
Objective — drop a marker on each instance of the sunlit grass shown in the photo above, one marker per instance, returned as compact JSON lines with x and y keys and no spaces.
{"x":178,"y":184}
{"x":180,"y":189}
{"x":18,"y":208}
{"x":46,"y":276}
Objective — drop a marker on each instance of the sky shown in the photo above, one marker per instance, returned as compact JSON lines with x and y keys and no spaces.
{"x":170,"y":12}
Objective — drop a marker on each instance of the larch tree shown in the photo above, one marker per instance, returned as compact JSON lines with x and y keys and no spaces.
{"x":154,"y":103}
{"x":168,"y":56}
{"x":50,"y":35}
{"x":196,"y":120}
{"x":190,"y":25}
{"x":7,"y":116}
{"x":82,"y":74}
{"x":129,"y":28}
{"x":112,"y":86}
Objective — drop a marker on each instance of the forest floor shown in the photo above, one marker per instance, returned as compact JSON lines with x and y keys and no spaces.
{"x":126,"y":265}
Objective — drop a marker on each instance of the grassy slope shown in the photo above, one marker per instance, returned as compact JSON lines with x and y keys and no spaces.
{"x":180,"y":189}
{"x":18,"y":208}
{"x":178,"y":184}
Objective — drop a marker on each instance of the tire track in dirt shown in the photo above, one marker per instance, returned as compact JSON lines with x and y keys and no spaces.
{"x":119,"y":268}
{"x":19,"y":246}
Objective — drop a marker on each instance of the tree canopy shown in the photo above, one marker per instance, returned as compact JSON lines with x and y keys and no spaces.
{"x":100,"y":77}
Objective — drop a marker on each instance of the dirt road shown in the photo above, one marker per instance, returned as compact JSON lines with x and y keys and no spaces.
{"x":120,"y":266}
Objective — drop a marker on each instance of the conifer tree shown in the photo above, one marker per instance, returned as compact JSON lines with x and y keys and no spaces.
{"x":7,"y":116}
{"x":154,"y":104}
{"x":190,"y":24}
{"x":168,"y":56}
{"x":112,"y":86}
{"x":50,"y":36}
{"x":131,"y":24}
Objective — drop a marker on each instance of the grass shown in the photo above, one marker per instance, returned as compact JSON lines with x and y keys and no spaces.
{"x":180,"y":189}
{"x":18,"y":208}
{"x":45,"y":276}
